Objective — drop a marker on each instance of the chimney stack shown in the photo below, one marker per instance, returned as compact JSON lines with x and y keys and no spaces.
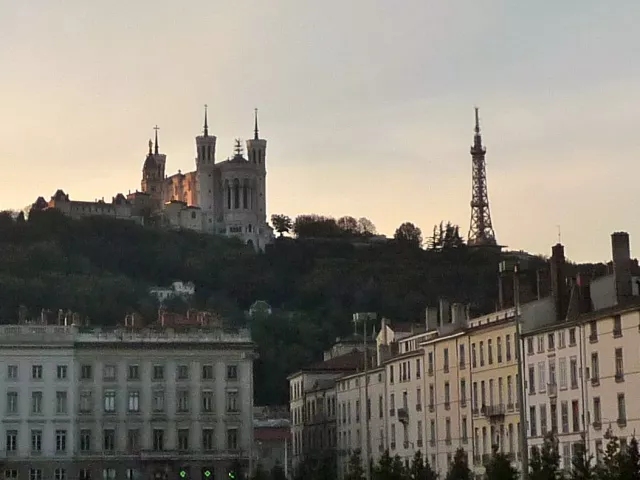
{"x":558,"y":281}
{"x":431,"y":318}
{"x":621,"y":256}
{"x":445,"y":312}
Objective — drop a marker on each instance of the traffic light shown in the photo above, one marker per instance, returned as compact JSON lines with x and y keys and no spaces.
{"x":207,"y":473}
{"x":183,"y":473}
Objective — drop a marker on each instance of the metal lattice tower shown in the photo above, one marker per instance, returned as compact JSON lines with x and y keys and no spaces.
{"x":480,"y":230}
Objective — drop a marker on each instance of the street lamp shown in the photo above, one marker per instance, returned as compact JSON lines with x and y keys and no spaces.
{"x":508,"y":267}
{"x":366,"y":318}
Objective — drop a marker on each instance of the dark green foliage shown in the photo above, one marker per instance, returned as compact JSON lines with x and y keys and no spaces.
{"x":408,"y":234}
{"x":445,"y":237}
{"x":277,"y":473}
{"x":354,"y":469}
{"x":421,"y":469}
{"x":544,"y":463}
{"x":630,"y":461}
{"x":459,"y":469}
{"x":583,"y":467}
{"x":281,"y":224}
{"x":609,"y":468}
{"x":499,"y":467}
{"x":321,"y":466}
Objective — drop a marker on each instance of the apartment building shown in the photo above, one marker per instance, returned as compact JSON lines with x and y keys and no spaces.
{"x":580,"y":360}
{"x":90,"y":403}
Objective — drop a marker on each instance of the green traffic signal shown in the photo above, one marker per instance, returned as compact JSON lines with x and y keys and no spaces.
{"x":232,"y":475}
{"x":207,"y":473}
{"x":183,"y":474}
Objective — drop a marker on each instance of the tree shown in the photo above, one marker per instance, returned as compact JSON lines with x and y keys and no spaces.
{"x":445,"y":237}
{"x":316,"y":226}
{"x":354,"y":468}
{"x":277,"y":472}
{"x":366,"y":227}
{"x":583,"y":467}
{"x":535,"y":464}
{"x":349,"y":225}
{"x":499,"y":467}
{"x":630,"y":461}
{"x":545,"y":462}
{"x":459,"y":469}
{"x":408,"y":234}
{"x":281,"y":223}
{"x":421,"y":469}
{"x":609,"y":468}
{"x":383,"y":470}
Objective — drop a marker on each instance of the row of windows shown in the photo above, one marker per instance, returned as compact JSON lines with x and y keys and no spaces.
{"x":539,"y":340}
{"x":566,"y":375}
{"x":108,"y":440}
{"x":479,"y":354}
{"x":110,"y":402}
{"x":570,"y":422}
{"x":110,"y":372}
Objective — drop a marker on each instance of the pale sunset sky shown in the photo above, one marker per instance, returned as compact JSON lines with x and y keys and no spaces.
{"x":367,"y":105}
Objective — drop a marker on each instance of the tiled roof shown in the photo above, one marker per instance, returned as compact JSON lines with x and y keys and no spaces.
{"x":349,"y":361}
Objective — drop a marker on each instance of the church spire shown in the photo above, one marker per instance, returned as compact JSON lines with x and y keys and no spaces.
{"x":206,"y":123}
{"x":256,"y":135}
{"x":150,"y":146}
{"x":157,"y":146}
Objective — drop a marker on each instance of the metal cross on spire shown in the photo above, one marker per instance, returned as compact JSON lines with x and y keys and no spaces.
{"x":156,"y":128}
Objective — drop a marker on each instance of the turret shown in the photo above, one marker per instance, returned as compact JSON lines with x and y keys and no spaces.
{"x":153,"y":172}
{"x":205,"y":145}
{"x":205,"y":160}
{"x":257,"y":155}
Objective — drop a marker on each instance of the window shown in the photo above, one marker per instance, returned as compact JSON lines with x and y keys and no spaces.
{"x":207,"y":439}
{"x":85,"y":440}
{"x":109,"y":440}
{"x":391,"y":374}
{"x":36,"y":372}
{"x":595,"y":368}
{"x":473,"y":355}
{"x":109,"y":401}
{"x":551,"y":341}
{"x":530,"y":346}
{"x":109,"y":372}
{"x":207,"y":401}
{"x":36,"y":402}
{"x":619,"y":365}
{"x":482,"y":354}
{"x":552,"y":372}
{"x":572,"y":337}
{"x":541,"y":377}
{"x":562,"y":364}
{"x":490,"y":351}
{"x":11,"y":474}
{"x":575,"y":414}
{"x":464,"y":429}
{"x":597,"y":411}
{"x":463,"y":392}
{"x":86,"y":402}
{"x":593,"y":329}
{"x":133,"y":403}
{"x":232,"y":403}
{"x":418,"y":399}
{"x":499,"y":349}
{"x":622,"y":409}
{"x":61,"y":403}
{"x":432,"y":397}
{"x":507,"y":341}
{"x":573,"y":372}
{"x":36,"y":441}
{"x":12,"y":372}
{"x":158,"y":372}
{"x":462,"y":356}
{"x":475,"y":396}
{"x":532,"y":422}
{"x":183,"y":372}
{"x":61,"y":440}
{"x":445,"y":361}
{"x":35,"y":474}
{"x":561,"y":339}
{"x":554,"y":417}
{"x":86,"y":372}
{"x":207,"y":372}
{"x":12,"y":440}
{"x":232,"y":372}
{"x":447,"y":429}
{"x":418,"y":368}
{"x":158,"y":401}
{"x":500,"y":389}
{"x":509,"y":392}
{"x":108,"y":474}
{"x":183,"y":439}
{"x":61,"y":372}
{"x":12,"y":403}
{"x":380,"y":407}
{"x":133,"y":473}
{"x":133,"y":372}
{"x":564,"y":412}
{"x":232,"y":438}
{"x":617,"y":326}
{"x":133,"y":440}
{"x":532,"y":379}
{"x":158,"y":439}
{"x":447,"y":396}
{"x":84,"y":474}
{"x":540,"y":343}
{"x":183,"y":401}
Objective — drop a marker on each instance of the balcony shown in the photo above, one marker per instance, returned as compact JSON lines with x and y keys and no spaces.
{"x":430,"y":371}
{"x":593,"y":338}
{"x":418,"y":407}
{"x":510,"y":407}
{"x":622,"y":422}
{"x":595,"y":381}
{"x":403,"y":415}
{"x":552,"y":389}
{"x":151,"y":455}
{"x":431,"y":407}
{"x":619,"y":377}
{"x":493,"y":411}
{"x":392,"y":412}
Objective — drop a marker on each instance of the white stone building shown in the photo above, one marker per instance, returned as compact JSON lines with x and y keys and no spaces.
{"x":118,"y":404}
{"x":177,"y":289}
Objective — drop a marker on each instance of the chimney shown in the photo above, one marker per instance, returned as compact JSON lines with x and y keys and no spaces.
{"x":558,"y":280}
{"x":621,"y":256}
{"x":431,"y":318}
{"x":445,"y":312}
{"x":458,"y":314}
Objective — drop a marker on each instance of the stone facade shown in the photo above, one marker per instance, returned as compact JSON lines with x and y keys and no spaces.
{"x":124,"y":403}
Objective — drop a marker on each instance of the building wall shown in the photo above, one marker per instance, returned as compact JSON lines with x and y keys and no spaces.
{"x":122,"y":389}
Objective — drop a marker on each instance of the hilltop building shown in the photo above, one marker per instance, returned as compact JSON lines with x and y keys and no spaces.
{"x":225,"y":198}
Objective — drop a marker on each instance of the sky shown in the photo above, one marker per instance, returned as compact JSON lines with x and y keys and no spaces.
{"x":367,"y":106}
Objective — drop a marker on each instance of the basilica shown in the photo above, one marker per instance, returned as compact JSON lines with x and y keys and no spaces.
{"x":225,"y":198}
